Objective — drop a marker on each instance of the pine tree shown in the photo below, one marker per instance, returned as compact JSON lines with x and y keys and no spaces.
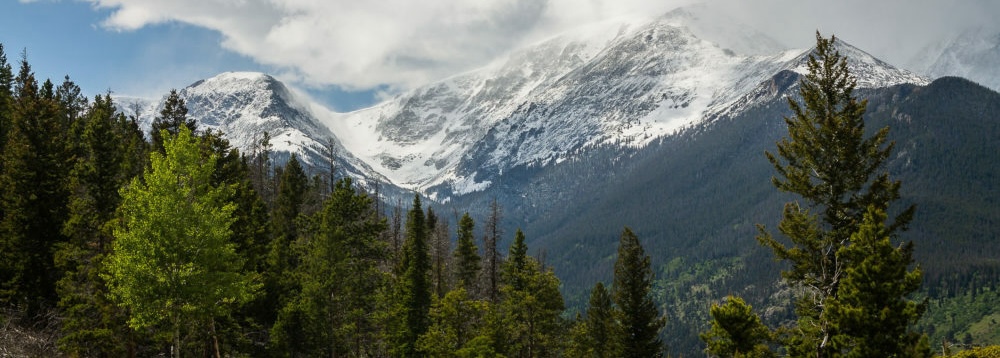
{"x":34,"y":195}
{"x":288,"y":207}
{"x":172,"y":117}
{"x":640,"y":319}
{"x":530,"y":306}
{"x":466,"y":255}
{"x":599,"y":333}
{"x":829,"y":162}
{"x":415,"y":285}
{"x":172,"y":264}
{"x":871,"y":310}
{"x":736,"y":331}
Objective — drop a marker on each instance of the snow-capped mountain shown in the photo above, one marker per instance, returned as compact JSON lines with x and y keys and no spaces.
{"x":246,"y":105}
{"x":621,"y":83}
{"x":973,"y":54}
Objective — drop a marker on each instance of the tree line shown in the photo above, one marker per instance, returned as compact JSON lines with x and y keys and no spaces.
{"x":183,"y":246}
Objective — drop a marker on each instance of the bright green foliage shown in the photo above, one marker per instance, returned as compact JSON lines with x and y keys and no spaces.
{"x":982,"y":352}
{"x":598,"y":335}
{"x":466,"y":255}
{"x":458,"y":320}
{"x":172,"y":265}
{"x":639,"y":318}
{"x":828,"y":161}
{"x":414,"y":286}
{"x":871,"y":311}
{"x":530,"y":306}
{"x":91,"y":324}
{"x":340,"y":279}
{"x":736,"y":331}
{"x":34,"y":195}
{"x":172,"y":117}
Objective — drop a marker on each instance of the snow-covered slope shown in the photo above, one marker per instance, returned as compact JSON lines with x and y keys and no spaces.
{"x":246,"y":105}
{"x":973,"y":54}
{"x":622,"y":83}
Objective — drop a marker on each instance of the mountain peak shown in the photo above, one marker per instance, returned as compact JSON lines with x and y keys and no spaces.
{"x":716,"y":27}
{"x":869,"y":71}
{"x":236,"y":76}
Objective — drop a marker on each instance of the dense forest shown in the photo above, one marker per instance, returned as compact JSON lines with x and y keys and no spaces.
{"x":115,"y":245}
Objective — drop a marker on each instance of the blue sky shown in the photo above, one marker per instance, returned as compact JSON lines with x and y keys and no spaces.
{"x":67,"y":38}
{"x":349,"y":54}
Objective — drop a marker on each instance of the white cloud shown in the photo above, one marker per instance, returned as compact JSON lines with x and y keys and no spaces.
{"x":402,"y":43}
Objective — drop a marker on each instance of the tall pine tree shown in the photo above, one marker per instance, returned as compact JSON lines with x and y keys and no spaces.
{"x":598,"y":334}
{"x":828,"y":161}
{"x":466,"y":255}
{"x":530,"y":306}
{"x":640,"y":319}
{"x":414,"y":285}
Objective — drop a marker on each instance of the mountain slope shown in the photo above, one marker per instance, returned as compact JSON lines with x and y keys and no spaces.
{"x":694,"y":199}
{"x":623,"y":83}
{"x":246,"y":105}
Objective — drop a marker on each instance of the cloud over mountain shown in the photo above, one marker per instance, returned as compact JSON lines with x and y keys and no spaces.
{"x":401,"y":44}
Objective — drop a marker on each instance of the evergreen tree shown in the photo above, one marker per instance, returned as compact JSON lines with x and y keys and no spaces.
{"x":335,"y":313}
{"x":172,"y":117}
{"x":530,"y":307}
{"x":72,"y":102}
{"x":172,"y":264}
{"x":293,"y":186}
{"x":829,"y":162}
{"x":34,"y":195}
{"x":871,"y":311}
{"x":736,"y":331}
{"x":415,"y":285}
{"x":598,"y":334}
{"x":92,"y":326}
{"x":640,"y":319}
{"x":466,"y":254}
